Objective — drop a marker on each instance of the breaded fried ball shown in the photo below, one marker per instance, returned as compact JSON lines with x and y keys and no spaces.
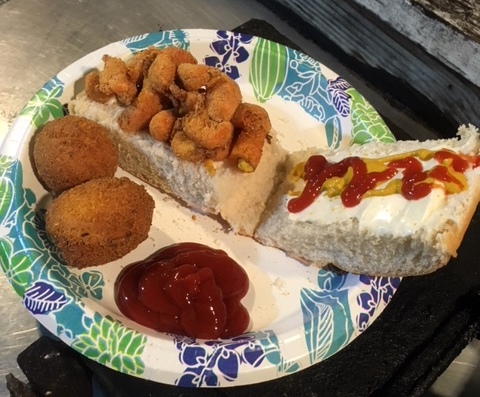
{"x":72,"y":150}
{"x":99,"y":221}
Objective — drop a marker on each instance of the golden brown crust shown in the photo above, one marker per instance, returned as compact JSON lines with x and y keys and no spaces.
{"x":185,"y":101}
{"x":254,"y":125}
{"x":193,"y":77}
{"x":161,"y":125}
{"x":161,"y":74}
{"x":205,"y":132}
{"x":137,"y":67}
{"x":114,"y":80}
{"x":92,"y":88}
{"x":72,"y":150}
{"x":138,"y":115}
{"x":222,"y":98}
{"x":186,"y":149}
{"x":99,"y":221}
{"x":179,"y":55}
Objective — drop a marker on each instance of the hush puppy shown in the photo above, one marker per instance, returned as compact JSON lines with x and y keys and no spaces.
{"x":99,"y":221}
{"x":72,"y":150}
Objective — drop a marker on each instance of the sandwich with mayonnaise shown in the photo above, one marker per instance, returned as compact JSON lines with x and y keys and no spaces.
{"x":387,"y":209}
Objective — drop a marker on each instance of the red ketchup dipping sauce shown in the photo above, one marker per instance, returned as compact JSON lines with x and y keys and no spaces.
{"x":188,"y":289}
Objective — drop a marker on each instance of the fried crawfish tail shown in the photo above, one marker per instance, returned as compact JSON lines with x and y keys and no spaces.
{"x":223,"y":96}
{"x":161,"y":73}
{"x":194,"y":77}
{"x":205,"y":132}
{"x":254,"y":125}
{"x":185,"y":101}
{"x":114,"y":79}
{"x":185,"y":149}
{"x":162,"y":124}
{"x":179,"y":55}
{"x":138,"y":115}
{"x":137,"y":67}
{"x":92,"y":88}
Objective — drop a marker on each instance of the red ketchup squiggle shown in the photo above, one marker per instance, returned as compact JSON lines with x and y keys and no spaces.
{"x":359,"y":181}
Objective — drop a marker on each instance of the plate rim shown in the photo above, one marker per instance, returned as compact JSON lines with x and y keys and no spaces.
{"x":12,"y":145}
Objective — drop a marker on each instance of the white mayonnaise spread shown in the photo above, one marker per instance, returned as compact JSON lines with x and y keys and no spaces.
{"x":391,"y":214}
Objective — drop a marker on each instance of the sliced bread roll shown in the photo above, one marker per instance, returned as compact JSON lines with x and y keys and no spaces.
{"x":388,"y":235}
{"x":215,"y":188}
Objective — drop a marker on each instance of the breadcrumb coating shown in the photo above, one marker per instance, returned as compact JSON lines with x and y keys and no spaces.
{"x":114,"y":80}
{"x":72,"y":150}
{"x":161,"y":125}
{"x":161,"y":73}
{"x":185,"y":149}
{"x":205,"y":132}
{"x":223,"y":96}
{"x":138,"y":115}
{"x":179,"y":55}
{"x":137,"y":67}
{"x":254,"y":125}
{"x":92,"y":87}
{"x":99,"y":221}
{"x":193,"y":77}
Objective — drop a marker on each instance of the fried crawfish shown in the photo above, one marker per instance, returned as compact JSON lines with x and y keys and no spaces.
{"x":223,"y":96}
{"x":137,"y":67}
{"x":138,"y":115}
{"x":254,"y":125}
{"x":161,"y":73}
{"x":114,"y":79}
{"x":179,"y":55}
{"x":92,"y":88}
{"x":185,"y":101}
{"x":194,"y":77}
{"x":184,"y":148}
{"x":161,"y":125}
{"x":205,"y":108}
{"x":205,"y":132}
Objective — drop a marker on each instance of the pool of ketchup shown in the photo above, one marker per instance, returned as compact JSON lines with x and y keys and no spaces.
{"x":415,"y":181}
{"x":187,"y":289}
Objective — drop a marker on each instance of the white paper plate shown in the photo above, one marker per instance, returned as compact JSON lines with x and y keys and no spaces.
{"x":300,"y":315}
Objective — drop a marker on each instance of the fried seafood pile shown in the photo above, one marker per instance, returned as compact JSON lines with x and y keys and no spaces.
{"x":195,"y":108}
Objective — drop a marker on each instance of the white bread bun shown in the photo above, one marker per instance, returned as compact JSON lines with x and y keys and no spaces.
{"x":239,"y":198}
{"x":384,"y":236}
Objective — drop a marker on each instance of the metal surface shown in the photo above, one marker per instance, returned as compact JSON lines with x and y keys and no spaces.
{"x":40,"y":38}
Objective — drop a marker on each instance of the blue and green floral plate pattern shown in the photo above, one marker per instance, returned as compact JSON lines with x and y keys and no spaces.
{"x":300,"y":315}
